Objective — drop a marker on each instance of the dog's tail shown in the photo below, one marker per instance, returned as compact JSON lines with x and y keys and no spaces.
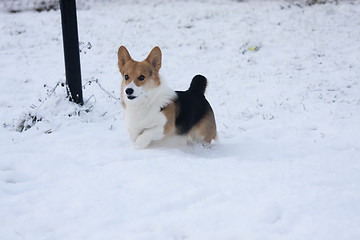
{"x":198,"y":84}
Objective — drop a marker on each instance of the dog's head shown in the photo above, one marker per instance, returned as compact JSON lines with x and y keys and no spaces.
{"x":138,"y":78}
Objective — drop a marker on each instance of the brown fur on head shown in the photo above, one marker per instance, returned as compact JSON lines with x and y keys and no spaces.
{"x":143,"y":74}
{"x":149,"y":68}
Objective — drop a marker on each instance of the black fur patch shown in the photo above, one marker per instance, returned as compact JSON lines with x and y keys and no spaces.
{"x":191,"y":105}
{"x":191,"y":109}
{"x":198,"y":84}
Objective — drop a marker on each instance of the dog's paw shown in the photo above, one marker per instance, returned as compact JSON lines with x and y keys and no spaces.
{"x":142,"y":141}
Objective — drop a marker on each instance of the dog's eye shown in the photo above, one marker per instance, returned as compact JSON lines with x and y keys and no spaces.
{"x":141,"y":78}
{"x":126,"y":77}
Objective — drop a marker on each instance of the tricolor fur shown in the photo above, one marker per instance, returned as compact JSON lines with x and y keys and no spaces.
{"x":152,"y":110}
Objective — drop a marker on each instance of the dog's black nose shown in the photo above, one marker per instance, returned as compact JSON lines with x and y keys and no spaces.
{"x":129,"y":91}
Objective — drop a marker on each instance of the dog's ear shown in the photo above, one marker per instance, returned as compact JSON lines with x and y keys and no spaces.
{"x":154,"y":58}
{"x":123,"y":57}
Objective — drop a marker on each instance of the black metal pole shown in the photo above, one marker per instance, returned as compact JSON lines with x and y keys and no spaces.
{"x":71,"y":49}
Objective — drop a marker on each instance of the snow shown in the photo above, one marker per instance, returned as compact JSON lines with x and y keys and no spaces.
{"x":284,"y":86}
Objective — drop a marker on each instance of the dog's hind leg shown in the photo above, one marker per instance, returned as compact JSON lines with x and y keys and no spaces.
{"x":205,"y":130}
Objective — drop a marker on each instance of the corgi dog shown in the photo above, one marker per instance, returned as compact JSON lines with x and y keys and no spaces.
{"x":153,"y":111}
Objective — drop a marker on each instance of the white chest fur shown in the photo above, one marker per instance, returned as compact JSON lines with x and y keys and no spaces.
{"x":144,"y":120}
{"x":139,"y":119}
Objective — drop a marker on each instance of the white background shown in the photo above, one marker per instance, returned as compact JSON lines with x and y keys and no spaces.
{"x":284,"y":86}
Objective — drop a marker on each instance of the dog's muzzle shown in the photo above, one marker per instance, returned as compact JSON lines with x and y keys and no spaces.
{"x":129,"y":92}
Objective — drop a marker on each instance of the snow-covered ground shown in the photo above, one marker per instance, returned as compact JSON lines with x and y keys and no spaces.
{"x":284,"y":85}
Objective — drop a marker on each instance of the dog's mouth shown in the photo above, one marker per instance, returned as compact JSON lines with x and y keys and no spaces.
{"x":131,"y":97}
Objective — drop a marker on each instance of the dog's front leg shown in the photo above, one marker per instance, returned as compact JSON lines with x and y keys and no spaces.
{"x":148,"y":135}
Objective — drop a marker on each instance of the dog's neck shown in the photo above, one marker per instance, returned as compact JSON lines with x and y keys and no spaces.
{"x":154,"y":100}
